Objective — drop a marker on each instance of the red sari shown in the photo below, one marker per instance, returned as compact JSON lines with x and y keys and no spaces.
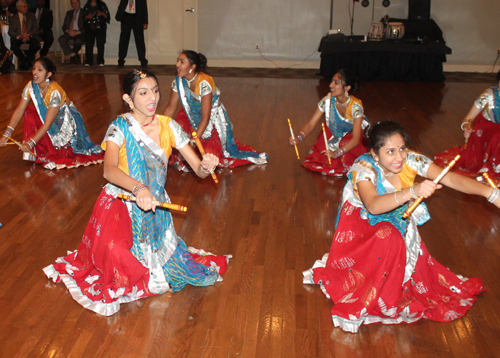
{"x":482,"y":153}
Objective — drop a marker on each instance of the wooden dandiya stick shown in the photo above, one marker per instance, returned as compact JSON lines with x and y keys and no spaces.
{"x":293,"y":137}
{"x":469,"y":127}
{"x":491,"y":182}
{"x":157,"y":203}
{"x":326,"y":142}
{"x":20,"y":145}
{"x":202,"y":151}
{"x":437,"y":180}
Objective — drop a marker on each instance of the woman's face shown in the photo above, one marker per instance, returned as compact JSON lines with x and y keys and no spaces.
{"x":183,"y":66}
{"x":392,"y":155}
{"x":337,"y":86}
{"x":145,"y":97}
{"x":40,"y":74}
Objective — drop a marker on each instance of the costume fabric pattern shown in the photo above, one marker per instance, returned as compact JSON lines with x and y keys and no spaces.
{"x":339,"y":133}
{"x":218,"y":137}
{"x":482,"y":152}
{"x":126,"y":253}
{"x":376,"y":273}
{"x":66,"y":144}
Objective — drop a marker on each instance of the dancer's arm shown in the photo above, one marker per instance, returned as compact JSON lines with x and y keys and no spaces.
{"x":473,"y":113}
{"x":49,"y":119}
{"x":355,"y":140}
{"x":116,"y":176}
{"x":202,"y":168}
{"x":172,"y":104}
{"x":318,"y":114}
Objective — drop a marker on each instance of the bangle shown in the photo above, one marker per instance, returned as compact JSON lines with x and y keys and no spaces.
{"x":462,"y":125}
{"x":340,"y":152}
{"x":8,"y":132}
{"x":300,"y":138}
{"x":205,"y":171}
{"x":31,"y":143}
{"x":136,"y":189}
{"x":413,"y":193}
{"x":401,"y":191}
{"x":495,"y":193}
{"x":396,"y":198}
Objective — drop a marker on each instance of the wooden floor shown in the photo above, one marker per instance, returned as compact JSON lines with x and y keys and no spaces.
{"x":275,"y":220}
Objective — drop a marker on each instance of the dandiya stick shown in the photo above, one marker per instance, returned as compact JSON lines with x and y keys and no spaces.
{"x":293,"y":137}
{"x":469,"y":127}
{"x":326,"y":142}
{"x":202,"y":151}
{"x":491,"y":182}
{"x":157,"y":203}
{"x":20,"y":145}
{"x":437,"y":180}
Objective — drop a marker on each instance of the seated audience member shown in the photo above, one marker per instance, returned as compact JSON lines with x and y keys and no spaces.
{"x":5,"y":58}
{"x":73,"y":32}
{"x":22,"y":30}
{"x":44,"y":20}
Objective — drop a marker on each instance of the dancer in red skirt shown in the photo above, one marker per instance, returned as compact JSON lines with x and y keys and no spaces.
{"x":54,"y":134}
{"x":203,"y":112}
{"x":130,"y":250}
{"x":481,"y":154}
{"x":378,"y":269}
{"x":345,"y":122}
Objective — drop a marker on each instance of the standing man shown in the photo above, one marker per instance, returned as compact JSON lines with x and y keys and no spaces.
{"x":133,"y":15}
{"x":22,"y":30}
{"x":44,"y":20}
{"x":73,"y":32}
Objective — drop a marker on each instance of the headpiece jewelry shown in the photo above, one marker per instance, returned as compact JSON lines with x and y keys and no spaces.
{"x":140,"y":73}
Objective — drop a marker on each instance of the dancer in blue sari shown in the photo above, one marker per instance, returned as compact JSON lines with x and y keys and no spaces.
{"x":203,"y":113}
{"x":131,"y":250}
{"x":53,"y":128}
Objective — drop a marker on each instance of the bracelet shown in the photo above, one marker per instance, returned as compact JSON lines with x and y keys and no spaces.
{"x":396,"y":198}
{"x":299,"y":137}
{"x":205,"y":171}
{"x":138,"y":188}
{"x":495,"y":193}
{"x":8,"y":132}
{"x":340,"y":152}
{"x":401,"y":191}
{"x":31,"y":143}
{"x":413,"y":193}
{"x":462,"y":125}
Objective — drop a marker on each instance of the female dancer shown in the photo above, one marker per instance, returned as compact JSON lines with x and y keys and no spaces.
{"x":481,"y":154}
{"x":131,"y":250}
{"x":378,"y":269}
{"x":96,"y":20}
{"x":53,"y":127}
{"x":203,"y":112}
{"x":345,"y":122}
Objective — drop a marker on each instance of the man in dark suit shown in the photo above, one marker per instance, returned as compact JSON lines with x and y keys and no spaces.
{"x":44,"y":20}
{"x":133,"y":15}
{"x":22,"y":30}
{"x":73,"y":32}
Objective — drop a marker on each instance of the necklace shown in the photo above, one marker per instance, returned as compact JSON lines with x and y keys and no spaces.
{"x":345,"y":103}
{"x":145,"y":125}
{"x":45,"y":89}
{"x":389,"y":175}
{"x":191,"y":80}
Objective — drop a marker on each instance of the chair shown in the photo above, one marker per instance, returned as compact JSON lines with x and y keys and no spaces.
{"x":26,"y":47}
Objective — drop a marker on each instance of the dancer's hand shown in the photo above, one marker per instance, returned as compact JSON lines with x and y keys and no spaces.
{"x":25,"y":147}
{"x":209,"y":162}
{"x":293,"y":141}
{"x":144,"y":200}
{"x":426,"y":188}
{"x":3,"y":141}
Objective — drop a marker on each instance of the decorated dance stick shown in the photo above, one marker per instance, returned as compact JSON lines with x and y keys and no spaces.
{"x":469,"y":127}
{"x":293,"y":137}
{"x":20,"y":145}
{"x":202,"y":151}
{"x":157,"y":203}
{"x":326,"y":142}
{"x":491,"y":182}
{"x":437,"y":180}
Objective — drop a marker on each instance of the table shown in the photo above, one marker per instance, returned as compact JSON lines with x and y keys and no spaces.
{"x":408,"y":59}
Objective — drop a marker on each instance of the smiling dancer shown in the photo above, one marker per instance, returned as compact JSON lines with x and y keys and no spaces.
{"x":378,"y":269}
{"x":203,"y":112}
{"x":345,"y":122}
{"x":131,"y":250}
{"x":53,"y":127}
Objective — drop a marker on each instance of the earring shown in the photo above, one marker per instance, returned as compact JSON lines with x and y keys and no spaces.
{"x":47,"y":80}
{"x":346,"y":93}
{"x":191,"y":71}
{"x":131,"y":107}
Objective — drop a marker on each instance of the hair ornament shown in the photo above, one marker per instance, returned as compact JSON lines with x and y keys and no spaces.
{"x":140,"y":73}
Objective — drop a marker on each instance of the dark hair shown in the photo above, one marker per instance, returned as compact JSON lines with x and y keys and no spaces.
{"x":378,"y":134}
{"x":47,"y":64}
{"x":132,"y":78}
{"x":498,"y":76}
{"x":347,"y":76}
{"x":196,"y":58}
